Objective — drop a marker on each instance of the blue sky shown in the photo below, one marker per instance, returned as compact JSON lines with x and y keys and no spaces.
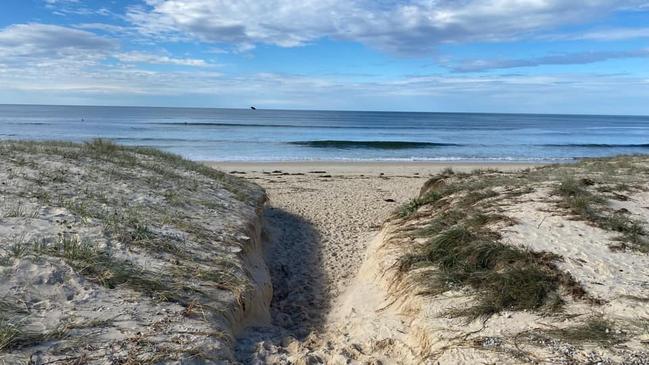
{"x":536,"y":56}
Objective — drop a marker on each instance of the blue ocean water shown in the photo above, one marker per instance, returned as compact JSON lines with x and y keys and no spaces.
{"x":282,"y":135}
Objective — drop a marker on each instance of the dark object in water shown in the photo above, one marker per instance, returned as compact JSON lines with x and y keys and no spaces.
{"x":325,"y":175}
{"x":389,"y":200}
{"x":317,"y":172}
{"x":253,"y":108}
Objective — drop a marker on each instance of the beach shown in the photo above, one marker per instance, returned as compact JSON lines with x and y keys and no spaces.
{"x":323,"y":220}
{"x":343,"y":204}
{"x":159,"y":259}
{"x":396,"y":182}
{"x":370,"y":168}
{"x":330,"y":256}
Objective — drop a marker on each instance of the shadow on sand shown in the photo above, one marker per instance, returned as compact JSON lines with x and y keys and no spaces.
{"x":293,"y":257}
{"x":300,"y":303}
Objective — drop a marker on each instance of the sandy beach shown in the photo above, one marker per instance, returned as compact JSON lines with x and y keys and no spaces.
{"x":323,"y":218}
{"x":397,"y":182}
{"x":330,"y":256}
{"x":358,"y":168}
{"x":342,"y":203}
{"x":164,"y":260}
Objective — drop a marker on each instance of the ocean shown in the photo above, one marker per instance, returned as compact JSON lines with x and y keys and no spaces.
{"x":291,"y":135}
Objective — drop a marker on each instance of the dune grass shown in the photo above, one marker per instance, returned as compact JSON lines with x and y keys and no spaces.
{"x":596,"y":330}
{"x":122,"y":156}
{"x":11,"y":316}
{"x":463,"y":253}
{"x":586,"y":204}
{"x":413,"y":205}
{"x":90,"y":195}
{"x":129,"y":221}
{"x":474,"y":189}
{"x":99,"y":266}
{"x":461,"y":250}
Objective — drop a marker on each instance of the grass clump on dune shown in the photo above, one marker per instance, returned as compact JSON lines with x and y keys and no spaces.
{"x":413,"y":205}
{"x":505,"y":277}
{"x":595,"y":330}
{"x":100,"y":267}
{"x":576,"y":196}
{"x":462,"y":251}
{"x":11,"y":315}
{"x":476,"y":187}
{"x":14,"y":332}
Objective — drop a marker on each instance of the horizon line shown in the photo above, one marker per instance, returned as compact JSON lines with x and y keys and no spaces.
{"x":261,"y":109}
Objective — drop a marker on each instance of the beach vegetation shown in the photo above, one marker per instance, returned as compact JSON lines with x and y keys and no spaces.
{"x":576,"y":196}
{"x":465,"y":254}
{"x":447,"y":171}
{"x":101,"y":267}
{"x":595,"y":330}
{"x":413,"y":205}
{"x":159,"y":226}
{"x":461,"y":249}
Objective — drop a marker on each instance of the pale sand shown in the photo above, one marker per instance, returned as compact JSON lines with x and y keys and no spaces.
{"x":344,"y":203}
{"x":321,"y":224}
{"x":331,"y":260}
{"x":365,"y":167}
{"x":79,"y":284}
{"x":616,"y":278}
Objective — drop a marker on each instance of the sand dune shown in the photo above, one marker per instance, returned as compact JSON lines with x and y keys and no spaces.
{"x":361,"y":311}
{"x":114,"y":255}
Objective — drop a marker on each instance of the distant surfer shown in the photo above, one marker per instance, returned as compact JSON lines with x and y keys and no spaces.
{"x":253,"y":108}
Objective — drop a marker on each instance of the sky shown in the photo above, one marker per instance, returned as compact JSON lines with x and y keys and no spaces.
{"x":512,"y":56}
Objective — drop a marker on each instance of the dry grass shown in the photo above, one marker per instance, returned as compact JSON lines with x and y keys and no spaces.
{"x":128,"y":219}
{"x":595,"y":330}
{"x":590,"y":206}
{"x":463,"y":253}
{"x":455,"y":213}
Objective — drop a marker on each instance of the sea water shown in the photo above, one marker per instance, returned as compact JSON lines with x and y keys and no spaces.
{"x":292,"y":135}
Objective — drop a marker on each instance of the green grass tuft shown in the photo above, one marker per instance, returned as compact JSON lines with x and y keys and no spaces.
{"x":412,"y":206}
{"x":506,"y":278}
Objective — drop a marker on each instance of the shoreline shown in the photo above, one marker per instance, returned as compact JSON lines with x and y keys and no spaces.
{"x":365,"y":167}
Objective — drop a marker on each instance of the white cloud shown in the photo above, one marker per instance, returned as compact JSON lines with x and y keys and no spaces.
{"x":103,"y":27}
{"x":75,"y":7}
{"x":413,"y":26}
{"x":38,"y":45}
{"x":615,"y":34}
{"x":58,"y":2}
{"x":115,"y":84}
{"x":35,"y":43}
{"x":155,"y":59}
{"x":577,"y":58}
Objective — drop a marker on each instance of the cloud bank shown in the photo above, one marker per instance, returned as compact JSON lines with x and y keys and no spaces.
{"x":405,"y":27}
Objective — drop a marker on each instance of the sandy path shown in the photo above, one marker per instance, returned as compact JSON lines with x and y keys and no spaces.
{"x":318,"y":230}
{"x":319,"y":226}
